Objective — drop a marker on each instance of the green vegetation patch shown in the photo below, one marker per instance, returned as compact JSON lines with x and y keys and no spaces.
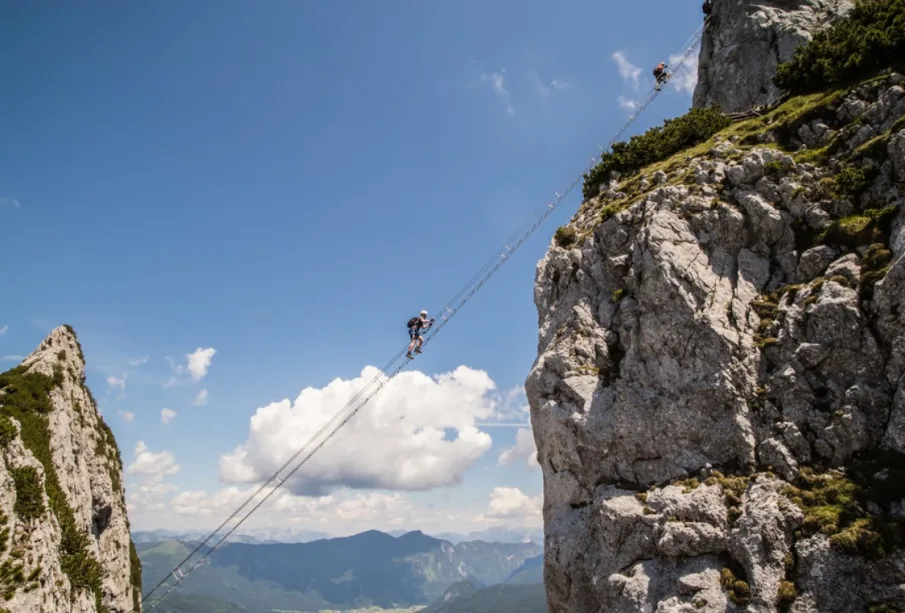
{"x":738,"y":590}
{"x":29,"y":503}
{"x":874,"y":266}
{"x":835,"y":504}
{"x":135,"y":576}
{"x":851,"y":180}
{"x":12,"y":570}
{"x":767,"y":309}
{"x":871,"y":226}
{"x":27,"y":399}
{"x":688,"y":485}
{"x":565,"y":236}
{"x":658,"y":143}
{"x":733,"y":490}
{"x":786,"y":594}
{"x":872,"y":37}
{"x":7,"y":431}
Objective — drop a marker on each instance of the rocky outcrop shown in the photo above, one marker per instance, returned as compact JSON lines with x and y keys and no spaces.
{"x":719,"y":401}
{"x":64,"y":541}
{"x":745,"y":41}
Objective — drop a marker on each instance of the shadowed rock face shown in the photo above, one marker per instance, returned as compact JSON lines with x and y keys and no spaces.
{"x":736,"y":314}
{"x":745,"y":42}
{"x":61,"y":495}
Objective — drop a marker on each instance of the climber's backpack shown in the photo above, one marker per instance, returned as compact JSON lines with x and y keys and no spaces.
{"x":413,"y":321}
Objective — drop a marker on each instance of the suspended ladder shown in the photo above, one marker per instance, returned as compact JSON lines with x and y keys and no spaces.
{"x":399,"y":361}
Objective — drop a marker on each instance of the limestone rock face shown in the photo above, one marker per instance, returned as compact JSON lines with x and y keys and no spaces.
{"x":66,"y":544}
{"x":746,"y":40}
{"x":721,"y":355}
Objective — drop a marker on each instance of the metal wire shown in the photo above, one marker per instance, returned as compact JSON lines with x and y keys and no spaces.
{"x":399,"y":361}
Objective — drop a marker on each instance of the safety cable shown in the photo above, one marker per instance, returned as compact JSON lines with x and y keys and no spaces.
{"x":392,"y":368}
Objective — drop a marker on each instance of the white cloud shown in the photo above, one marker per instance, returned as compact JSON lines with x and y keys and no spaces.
{"x":395,"y":442}
{"x":167,"y":415}
{"x":628,"y":71}
{"x":127,"y":416}
{"x":152,"y":466}
{"x":512,"y":503}
{"x":512,"y":404}
{"x":11,"y":201}
{"x":200,"y":399}
{"x":684,"y":77}
{"x":627,"y":104}
{"x":3,"y":330}
{"x":198,"y":363}
{"x":498,"y":83}
{"x":154,"y":503}
{"x":524,"y":450}
{"x":148,"y":496}
{"x":14,"y":358}
{"x":117,"y":382}
{"x":139,"y":361}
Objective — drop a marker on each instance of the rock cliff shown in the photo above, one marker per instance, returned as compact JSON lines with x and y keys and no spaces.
{"x":745,"y":42}
{"x":719,"y":401}
{"x":64,"y":534}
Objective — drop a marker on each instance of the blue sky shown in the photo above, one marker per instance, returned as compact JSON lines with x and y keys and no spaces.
{"x":286,"y":183}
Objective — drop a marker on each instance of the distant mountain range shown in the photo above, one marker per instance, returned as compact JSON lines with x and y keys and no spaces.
{"x":291,"y":535}
{"x":368,"y":569}
{"x":522,"y":592}
{"x":496,"y":535}
{"x":176,"y":603}
{"x":260,"y":537}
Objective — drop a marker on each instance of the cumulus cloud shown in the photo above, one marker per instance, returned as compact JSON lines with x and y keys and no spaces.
{"x":685,"y":76}
{"x":149,"y":496}
{"x":198,"y":363}
{"x":524,"y":450}
{"x":167,"y":415}
{"x":127,"y":416}
{"x":152,"y":466}
{"x":497,"y":81}
{"x":420,"y":432}
{"x":200,"y":399}
{"x":156,"y":503}
{"x":513,"y":503}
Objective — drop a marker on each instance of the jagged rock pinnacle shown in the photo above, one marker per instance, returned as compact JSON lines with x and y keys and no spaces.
{"x":745,"y":42}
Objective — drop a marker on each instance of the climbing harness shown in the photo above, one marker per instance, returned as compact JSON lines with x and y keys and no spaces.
{"x":397,"y":364}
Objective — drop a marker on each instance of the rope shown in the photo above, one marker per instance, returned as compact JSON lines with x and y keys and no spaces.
{"x":394,"y":366}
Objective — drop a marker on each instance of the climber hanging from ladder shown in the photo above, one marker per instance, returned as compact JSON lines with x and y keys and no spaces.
{"x":415,"y":326}
{"x":661,"y":75}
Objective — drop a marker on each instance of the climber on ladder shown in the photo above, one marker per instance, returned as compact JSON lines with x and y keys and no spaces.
{"x":661,"y":75}
{"x":415,"y":326}
{"x":707,"y":7}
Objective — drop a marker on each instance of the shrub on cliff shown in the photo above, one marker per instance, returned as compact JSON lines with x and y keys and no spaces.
{"x":870,"y":38}
{"x":656,"y":144}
